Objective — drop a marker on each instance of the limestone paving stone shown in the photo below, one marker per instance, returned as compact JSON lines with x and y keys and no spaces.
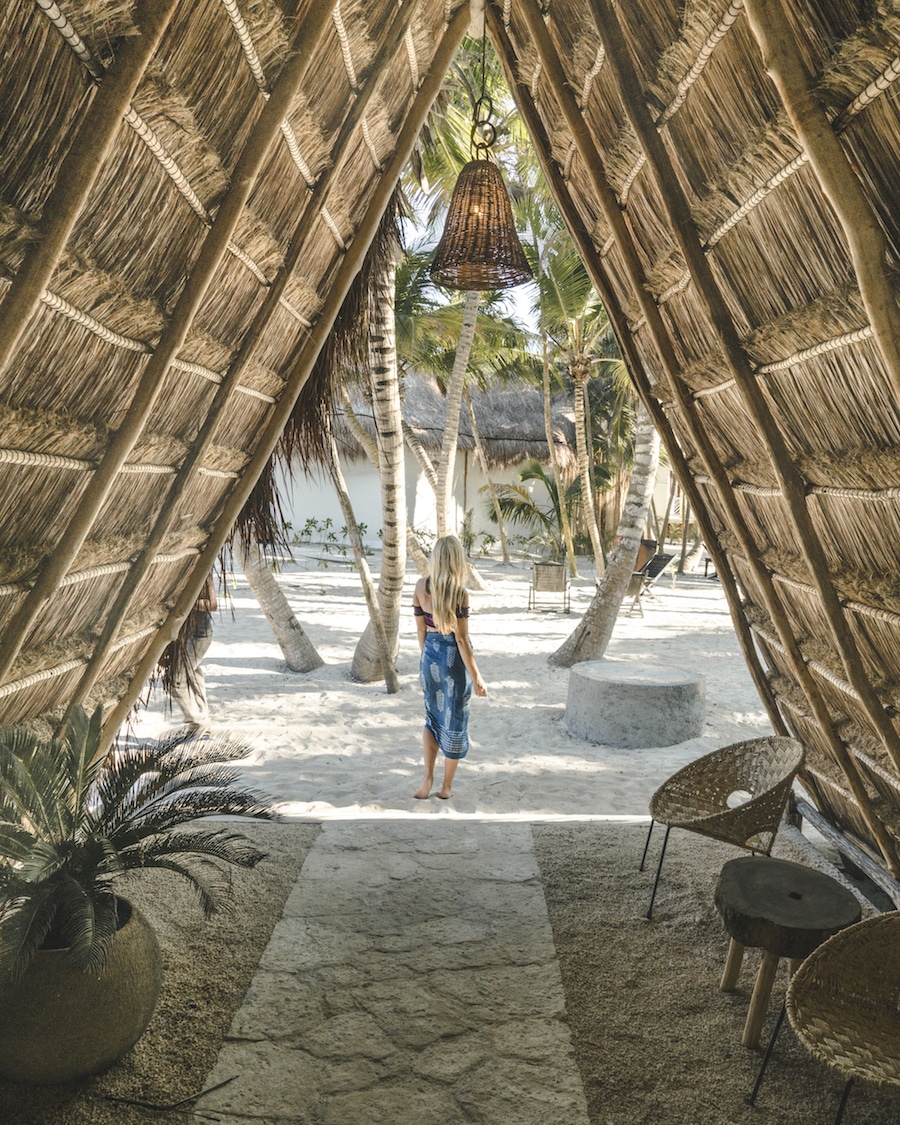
{"x":497,"y":994}
{"x":506,"y":1090}
{"x":413,"y":1014}
{"x":348,"y":1035}
{"x":442,"y":934}
{"x":530,"y":1039}
{"x":449,"y":1059}
{"x":396,"y":1106}
{"x":278,"y":1006}
{"x":411,"y":979}
{"x":269,"y":1080}
{"x":296,"y":945}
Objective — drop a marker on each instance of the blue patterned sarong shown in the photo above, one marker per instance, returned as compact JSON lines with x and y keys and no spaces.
{"x":447,"y":687}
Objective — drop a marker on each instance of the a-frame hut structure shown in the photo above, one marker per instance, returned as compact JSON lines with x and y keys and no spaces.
{"x":187,"y":188}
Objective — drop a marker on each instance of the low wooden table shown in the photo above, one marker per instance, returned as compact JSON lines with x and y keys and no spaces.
{"x":783,"y":908}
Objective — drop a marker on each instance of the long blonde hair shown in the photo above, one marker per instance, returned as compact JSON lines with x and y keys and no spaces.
{"x":448,"y":582}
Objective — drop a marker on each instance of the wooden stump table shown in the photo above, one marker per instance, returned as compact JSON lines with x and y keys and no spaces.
{"x":783,"y":908}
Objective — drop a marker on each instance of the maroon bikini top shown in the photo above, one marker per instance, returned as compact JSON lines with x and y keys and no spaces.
{"x":461,"y":611}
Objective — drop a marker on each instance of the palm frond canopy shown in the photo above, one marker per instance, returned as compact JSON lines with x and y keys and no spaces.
{"x":187,"y":187}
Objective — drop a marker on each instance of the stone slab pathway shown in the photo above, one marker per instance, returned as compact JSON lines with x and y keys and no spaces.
{"x":411,"y":981}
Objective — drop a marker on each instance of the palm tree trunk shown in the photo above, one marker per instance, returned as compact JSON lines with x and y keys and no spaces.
{"x":664,"y":530}
{"x":385,"y":386}
{"x":579,"y":378}
{"x":359,"y":554}
{"x":564,"y":525}
{"x":413,"y":546}
{"x":447,"y":463}
{"x":591,"y":636}
{"x":421,"y":455}
{"x":298,"y":650}
{"x":479,"y":450}
{"x":694,"y":553}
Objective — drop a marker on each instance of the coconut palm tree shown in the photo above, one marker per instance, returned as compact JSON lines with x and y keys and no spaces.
{"x":591,"y":636}
{"x":428,"y":330}
{"x":259,"y":535}
{"x":377,"y":649}
{"x":541,"y":222}
{"x":575,"y":323}
{"x":520,"y":505}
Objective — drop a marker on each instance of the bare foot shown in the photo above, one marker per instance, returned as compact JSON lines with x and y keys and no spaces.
{"x":424,"y":790}
{"x":445,"y":793}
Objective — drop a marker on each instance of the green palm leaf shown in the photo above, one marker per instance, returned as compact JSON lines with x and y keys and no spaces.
{"x":72,"y":821}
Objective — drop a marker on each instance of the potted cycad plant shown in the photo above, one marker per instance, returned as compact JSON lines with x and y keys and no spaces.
{"x":80,"y":967}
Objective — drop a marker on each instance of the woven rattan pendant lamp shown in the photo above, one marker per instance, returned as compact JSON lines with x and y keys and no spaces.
{"x":480,"y":248}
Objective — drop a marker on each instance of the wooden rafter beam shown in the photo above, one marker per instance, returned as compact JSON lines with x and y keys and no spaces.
{"x":79,"y":170}
{"x":347,"y":269}
{"x":794,"y":488}
{"x":230,"y":381}
{"x":615,"y":219}
{"x":212,"y":250}
{"x":594,"y":264}
{"x":837,"y":178}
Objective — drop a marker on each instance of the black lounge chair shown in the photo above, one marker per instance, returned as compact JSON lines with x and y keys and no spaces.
{"x":643,"y":579}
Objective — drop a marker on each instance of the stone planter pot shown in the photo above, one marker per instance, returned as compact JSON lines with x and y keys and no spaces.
{"x":59,"y":1024}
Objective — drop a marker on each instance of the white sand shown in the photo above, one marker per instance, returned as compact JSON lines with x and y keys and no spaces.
{"x":326,"y":747}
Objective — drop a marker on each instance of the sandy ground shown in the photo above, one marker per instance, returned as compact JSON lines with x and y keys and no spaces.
{"x":327,"y":747}
{"x":655,"y":1039}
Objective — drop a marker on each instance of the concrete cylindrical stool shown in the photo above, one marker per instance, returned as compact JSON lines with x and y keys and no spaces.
{"x":619,"y":704}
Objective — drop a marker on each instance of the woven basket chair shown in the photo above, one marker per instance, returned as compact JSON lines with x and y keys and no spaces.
{"x":697,"y":797}
{"x":844,"y":1003}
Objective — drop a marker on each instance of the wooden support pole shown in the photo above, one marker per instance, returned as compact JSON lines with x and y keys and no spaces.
{"x":224,"y":392}
{"x":300,"y":369}
{"x":214,"y":247}
{"x":836,"y":175}
{"x":79,"y":170}
{"x":792,"y":484}
{"x":614,"y":217}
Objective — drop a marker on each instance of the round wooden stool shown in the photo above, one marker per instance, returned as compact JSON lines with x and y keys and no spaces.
{"x":783,"y":908}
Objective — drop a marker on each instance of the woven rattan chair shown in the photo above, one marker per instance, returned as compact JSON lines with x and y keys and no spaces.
{"x":548,"y":578}
{"x":844,"y":1003}
{"x":736,"y":794}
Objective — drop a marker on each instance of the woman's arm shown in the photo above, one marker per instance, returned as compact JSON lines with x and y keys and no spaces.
{"x":465,"y":651}
{"x":421,"y":627}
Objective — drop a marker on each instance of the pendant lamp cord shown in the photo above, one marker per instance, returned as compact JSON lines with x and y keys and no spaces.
{"x":483,"y":132}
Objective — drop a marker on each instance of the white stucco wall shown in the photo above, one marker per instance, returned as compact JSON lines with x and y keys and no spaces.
{"x":314,"y":497}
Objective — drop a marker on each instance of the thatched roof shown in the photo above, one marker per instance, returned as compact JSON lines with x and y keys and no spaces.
{"x":176,"y":239}
{"x":509,"y":420}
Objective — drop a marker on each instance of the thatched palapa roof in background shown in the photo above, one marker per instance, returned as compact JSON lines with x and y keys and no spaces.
{"x":510,"y":422}
{"x":187,"y":188}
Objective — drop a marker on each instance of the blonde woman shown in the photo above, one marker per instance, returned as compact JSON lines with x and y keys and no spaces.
{"x":447,"y":669}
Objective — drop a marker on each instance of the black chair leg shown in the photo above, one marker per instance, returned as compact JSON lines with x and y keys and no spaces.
{"x":762,"y":1070}
{"x":646,"y":845}
{"x":662,"y":856}
{"x":843,"y":1105}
